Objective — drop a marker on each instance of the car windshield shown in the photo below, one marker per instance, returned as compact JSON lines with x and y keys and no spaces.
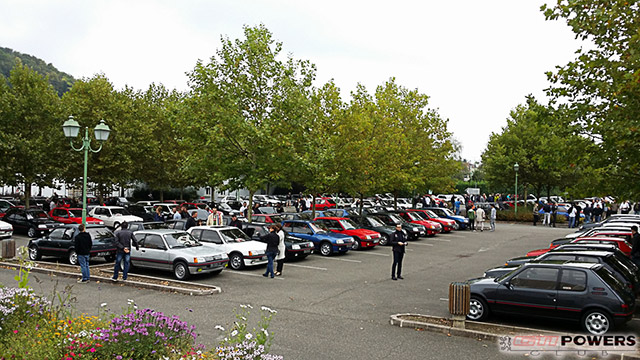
{"x":431,"y":214}
{"x":267,"y":210}
{"x":277,"y":218}
{"x":34,"y":214}
{"x":348,"y":224}
{"x":234,"y":235}
{"x":446,"y":212}
{"x":120,"y":211}
{"x":393,"y":219}
{"x":415,"y":216}
{"x":500,"y":278}
{"x":100,"y":233}
{"x":318,"y":228}
{"x":75,"y":213}
{"x":374,"y":222}
{"x":180,"y":239}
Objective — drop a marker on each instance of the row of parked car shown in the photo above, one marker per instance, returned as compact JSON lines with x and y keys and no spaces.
{"x":586,"y":276}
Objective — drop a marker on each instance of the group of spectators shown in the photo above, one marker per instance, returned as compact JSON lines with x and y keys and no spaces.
{"x":594,"y":211}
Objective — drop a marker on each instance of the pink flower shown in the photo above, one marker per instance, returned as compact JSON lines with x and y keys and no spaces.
{"x":92,"y":350}
{"x":15,"y":331}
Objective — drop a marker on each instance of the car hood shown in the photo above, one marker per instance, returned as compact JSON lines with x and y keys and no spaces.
{"x":246,"y":246}
{"x":360,"y":232}
{"x":43,"y":221}
{"x":458,"y":218}
{"x":483,"y":281}
{"x":127,"y":218}
{"x":195,"y":251}
{"x":5,"y":226}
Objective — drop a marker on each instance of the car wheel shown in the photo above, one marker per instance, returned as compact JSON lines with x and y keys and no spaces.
{"x":384,"y":240}
{"x":478,"y":309}
{"x":236,"y":262}
{"x":356,"y":244}
{"x":181,"y":271}
{"x":32,"y":232}
{"x":325,"y":248}
{"x":597,"y":322}
{"x":34,"y":254}
{"x":73,"y":257}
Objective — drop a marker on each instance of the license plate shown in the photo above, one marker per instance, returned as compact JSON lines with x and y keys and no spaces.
{"x":103,"y":254}
{"x":308,"y":251}
{"x":263,"y":258}
{"x":376,"y":241}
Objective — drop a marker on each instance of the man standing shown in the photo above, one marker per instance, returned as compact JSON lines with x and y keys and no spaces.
{"x":123,"y":240}
{"x":82,"y":245}
{"x":547,"y":214}
{"x":480,"y":218}
{"x":492,"y":218}
{"x":398,"y":242}
{"x":215,"y":218}
{"x":635,"y":241}
{"x":536,"y":215}
{"x":235,"y":222}
{"x":176,"y":213}
{"x":191,"y":221}
{"x":471,"y":214}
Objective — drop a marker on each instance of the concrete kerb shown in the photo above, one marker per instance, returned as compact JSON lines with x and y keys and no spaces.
{"x":502,"y":330}
{"x":194,"y":292}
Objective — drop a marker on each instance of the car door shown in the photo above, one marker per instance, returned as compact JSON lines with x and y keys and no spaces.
{"x":153,"y":253}
{"x":46,"y":244}
{"x":532,"y":291}
{"x":102,"y":214}
{"x":63,"y":243}
{"x":572,"y":292}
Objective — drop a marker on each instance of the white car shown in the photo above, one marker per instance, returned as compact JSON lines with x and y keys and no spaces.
{"x":6,"y":230}
{"x":242,"y":251}
{"x":113,"y":216}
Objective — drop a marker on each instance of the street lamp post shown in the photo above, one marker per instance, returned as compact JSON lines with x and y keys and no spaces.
{"x":516,"y":167}
{"x":71,"y":129}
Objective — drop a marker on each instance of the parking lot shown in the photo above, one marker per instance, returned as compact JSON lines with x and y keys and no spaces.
{"x":338,"y":307}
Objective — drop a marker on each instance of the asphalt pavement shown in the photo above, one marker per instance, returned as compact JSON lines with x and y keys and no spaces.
{"x":338,"y":307}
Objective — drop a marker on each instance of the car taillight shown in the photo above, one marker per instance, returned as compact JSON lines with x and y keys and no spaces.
{"x":625,"y":307}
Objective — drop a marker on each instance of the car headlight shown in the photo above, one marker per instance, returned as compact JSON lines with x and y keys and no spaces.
{"x":466,"y":221}
{"x":295,"y":247}
{"x":42,"y":226}
{"x":339,"y":241}
{"x":198,"y":260}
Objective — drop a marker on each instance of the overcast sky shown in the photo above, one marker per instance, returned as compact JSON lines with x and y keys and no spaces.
{"x":476,"y":60}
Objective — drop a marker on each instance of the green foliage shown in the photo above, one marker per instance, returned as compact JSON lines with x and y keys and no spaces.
{"x":60,"y":81}
{"x":601,"y":90}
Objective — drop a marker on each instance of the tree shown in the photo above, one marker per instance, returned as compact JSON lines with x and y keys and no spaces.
{"x":30,"y":132}
{"x":601,"y":88}
{"x":244,"y":103}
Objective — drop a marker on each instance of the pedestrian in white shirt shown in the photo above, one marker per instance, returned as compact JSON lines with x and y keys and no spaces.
{"x":492,"y":221}
{"x":480,"y":214}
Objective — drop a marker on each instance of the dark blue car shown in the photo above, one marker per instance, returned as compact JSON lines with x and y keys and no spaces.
{"x":324,"y":241}
{"x":462,"y":221}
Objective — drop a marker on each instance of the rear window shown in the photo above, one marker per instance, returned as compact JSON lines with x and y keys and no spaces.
{"x":611,"y":280}
{"x":100,"y":233}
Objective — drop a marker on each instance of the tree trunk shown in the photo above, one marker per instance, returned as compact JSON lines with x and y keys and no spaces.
{"x":250,"y":209}
{"x":361,"y":204}
{"x":313,"y":205}
{"x":27,"y":195}
{"x":161,"y":195}
{"x":395,"y":200}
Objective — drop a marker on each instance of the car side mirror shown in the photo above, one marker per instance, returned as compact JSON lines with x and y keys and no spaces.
{"x":507,"y":284}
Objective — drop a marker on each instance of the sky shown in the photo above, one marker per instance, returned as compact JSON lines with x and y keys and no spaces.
{"x":476,"y":60}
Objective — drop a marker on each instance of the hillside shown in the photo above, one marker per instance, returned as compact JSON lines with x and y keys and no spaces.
{"x":60,"y":81}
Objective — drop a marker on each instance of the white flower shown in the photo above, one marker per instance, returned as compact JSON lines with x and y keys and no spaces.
{"x":218,"y":327}
{"x":103,"y":304}
{"x":234,"y":333}
{"x":266,"y":333}
{"x":248,"y":336}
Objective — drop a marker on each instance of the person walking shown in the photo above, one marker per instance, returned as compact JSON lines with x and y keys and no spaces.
{"x":281,"y":249}
{"x":191,"y":221}
{"x":272,"y":241}
{"x":82,"y":245}
{"x":547,"y":214}
{"x":597,"y":211}
{"x":635,"y":242}
{"x":554,"y":214}
{"x":480,"y":214}
{"x":215,"y":218}
{"x":572,"y":216}
{"x":625,"y":207}
{"x":123,"y":240}
{"x":398,"y":243}
{"x":492,"y":218}
{"x":536,"y":214}
{"x":471,"y":214}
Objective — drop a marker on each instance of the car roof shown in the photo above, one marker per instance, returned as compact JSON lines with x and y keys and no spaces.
{"x":562,"y":264}
{"x":600,"y":238}
{"x":331,"y":218}
{"x":160,"y":231}
{"x":216,"y":227}
{"x":579,"y":252}
{"x":110,"y":207}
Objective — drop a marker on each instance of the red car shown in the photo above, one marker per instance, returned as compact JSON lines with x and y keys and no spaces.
{"x":324,"y":203}
{"x":363,"y":238}
{"x":620,"y":243}
{"x":432,"y":227}
{"x":268,"y":218}
{"x":191,"y":206}
{"x":71,"y":216}
{"x":447,"y":224}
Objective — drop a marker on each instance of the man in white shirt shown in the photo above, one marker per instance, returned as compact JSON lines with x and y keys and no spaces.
{"x":215,"y":218}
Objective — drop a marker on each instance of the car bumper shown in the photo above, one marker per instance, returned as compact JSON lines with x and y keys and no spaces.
{"x":369,"y":243}
{"x":255,"y":260}
{"x":342,"y":248}
{"x":103,"y":252}
{"x":433,"y":231}
{"x":292,"y":254}
{"x":207,"y":267}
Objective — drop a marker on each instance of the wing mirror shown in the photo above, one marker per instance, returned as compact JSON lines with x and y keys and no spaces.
{"x":508,"y":284}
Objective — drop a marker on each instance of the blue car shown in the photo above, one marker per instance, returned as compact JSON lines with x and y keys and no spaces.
{"x":462,"y":221}
{"x":323,"y":240}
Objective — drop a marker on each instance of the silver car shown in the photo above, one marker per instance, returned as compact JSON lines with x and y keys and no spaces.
{"x":177,"y":251}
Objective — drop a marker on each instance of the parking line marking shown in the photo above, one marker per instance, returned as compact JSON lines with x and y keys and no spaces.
{"x":432,"y":239}
{"x":372,"y":253}
{"x":247,"y":274}
{"x":444,"y":299}
{"x":348,"y":260}
{"x":453,"y":236}
{"x":308,"y":267}
{"x":415,"y":243}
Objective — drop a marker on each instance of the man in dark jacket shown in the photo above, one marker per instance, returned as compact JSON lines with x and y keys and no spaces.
{"x":123,"y":240}
{"x":82,"y":245}
{"x":635,"y":242}
{"x":235,"y":222}
{"x":191,"y":221}
{"x":272,"y":241}
{"x":398,"y":242}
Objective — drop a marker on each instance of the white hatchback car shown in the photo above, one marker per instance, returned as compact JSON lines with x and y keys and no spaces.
{"x":6,"y":230}
{"x":113,"y":216}
{"x":242,"y":251}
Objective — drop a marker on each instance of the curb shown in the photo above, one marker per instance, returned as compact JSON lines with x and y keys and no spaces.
{"x":395,"y":320}
{"x":193,"y":292}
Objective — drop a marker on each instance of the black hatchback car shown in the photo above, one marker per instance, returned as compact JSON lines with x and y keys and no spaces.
{"x":60,"y":243}
{"x":373,"y":223}
{"x":296,"y":248}
{"x":33,"y":221}
{"x":583,"y":292}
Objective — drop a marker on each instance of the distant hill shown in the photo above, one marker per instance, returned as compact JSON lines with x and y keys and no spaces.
{"x":60,"y":81}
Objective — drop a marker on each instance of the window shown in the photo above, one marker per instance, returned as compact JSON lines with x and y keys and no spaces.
{"x":68,"y":234}
{"x":560,"y":257}
{"x":573,"y":280}
{"x":211,"y":237}
{"x":536,"y":278}
{"x":153,"y":242}
{"x":587,"y":259}
{"x":57,"y":233}
{"x":60,"y":212}
{"x":301,"y":229}
{"x":196,"y":233}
